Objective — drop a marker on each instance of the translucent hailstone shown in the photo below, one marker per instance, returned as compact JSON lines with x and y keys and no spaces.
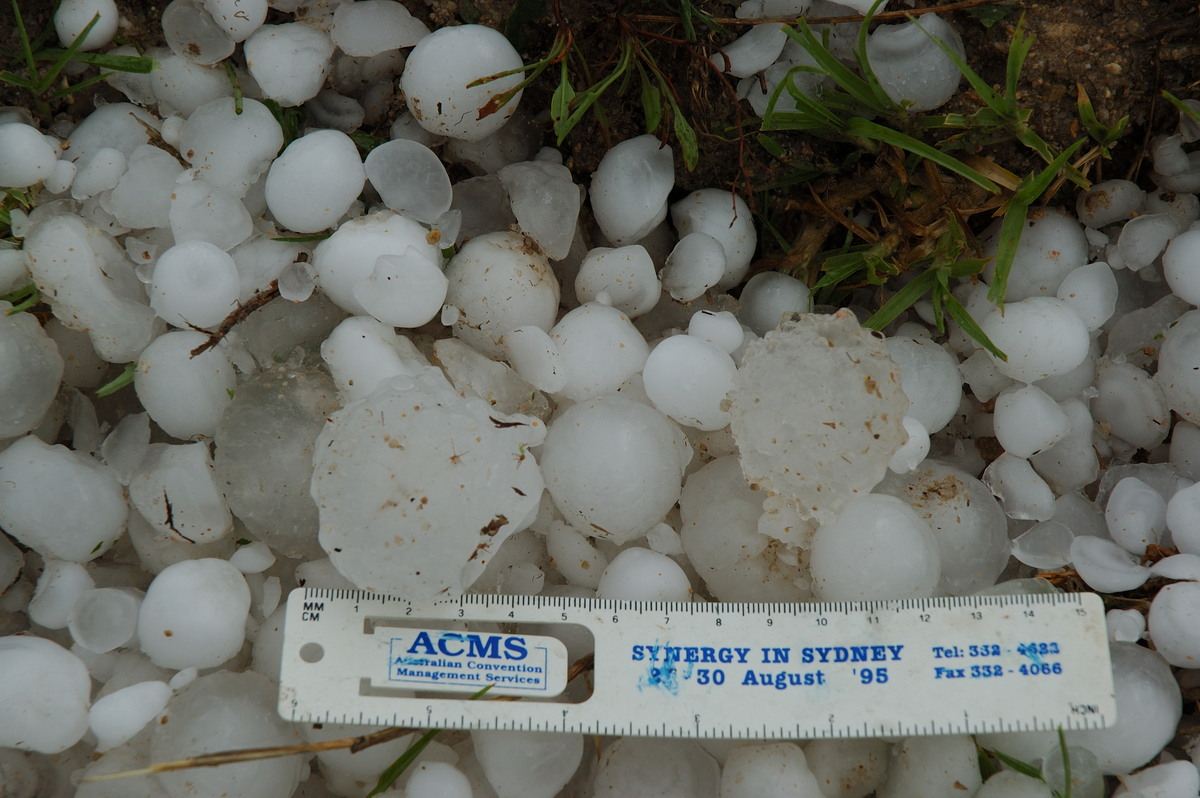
{"x":192,"y":33}
{"x":625,"y":276}
{"x":614,"y":466}
{"x":546,"y":202}
{"x":1148,"y":711}
{"x":142,"y":197}
{"x":289,"y":61}
{"x":1052,"y":245}
{"x":33,"y":369}
{"x":1071,"y":463}
{"x":850,"y":388}
{"x":312,"y":183}
{"x":1041,"y":336}
{"x":724,"y":216}
{"x":696,"y":264}
{"x":184,"y":394}
{"x":170,"y":630}
{"x":438,"y":71}
{"x":194,"y":284}
{"x":416,"y":486}
{"x":1011,"y":784}
{"x":638,"y":574}
{"x":768,"y":769}
{"x":1136,"y":515}
{"x":184,"y":85}
{"x":1173,"y":624}
{"x":405,"y":290}
{"x":219,"y":712}
{"x":536,"y":358}
{"x":1091,"y":291}
{"x":1105,"y":566}
{"x":752,"y":52}
{"x":498,"y":282}
{"x":769,"y":296}
{"x":474,"y":374}
{"x":598,"y":349}
{"x":203,"y":212}
{"x":370,"y":27}
{"x":911,"y":65}
{"x":231,"y":150}
{"x":527,"y":764}
{"x":104,"y":618}
{"x":1109,"y":201}
{"x":641,"y":767}
{"x":1024,"y":494}
{"x":44,"y":695}
{"x":59,"y":587}
{"x":61,"y":504}
{"x":1183,"y":519}
{"x":1127,"y":626}
{"x":1045,"y":545}
{"x":410,"y":178}
{"x":1179,"y":366}
{"x":688,"y":379}
{"x":26,"y":156}
{"x":118,"y":716}
{"x":1142,"y":239}
{"x":84,"y":275}
{"x":174,"y":488}
{"x":1179,"y":266}
{"x":1027,"y":420}
{"x":922,"y":766}
{"x":930,"y":378}
{"x":630,"y":187}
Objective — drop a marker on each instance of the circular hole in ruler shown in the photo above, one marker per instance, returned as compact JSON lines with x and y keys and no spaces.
{"x":312,"y":652}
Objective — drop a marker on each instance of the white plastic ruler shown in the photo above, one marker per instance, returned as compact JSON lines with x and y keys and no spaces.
{"x":846,"y":669}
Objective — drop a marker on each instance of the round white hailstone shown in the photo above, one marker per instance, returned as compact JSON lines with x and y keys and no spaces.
{"x":239,"y":18}
{"x":768,"y":297}
{"x":614,"y":466}
{"x":847,"y":768}
{"x":1109,"y":201}
{"x":405,"y":290}
{"x":194,"y":283}
{"x":437,"y":779}
{"x":142,"y":197}
{"x":1180,"y":261}
{"x":252,"y":558}
{"x":101,"y":173}
{"x":370,"y":27}
{"x":1125,"y":626}
{"x":687,"y":379}
{"x":599,"y":348}
{"x":44,"y":695}
{"x":1011,"y":784}
{"x":1179,"y":366}
{"x":752,"y":52}
{"x":760,"y":769}
{"x":313,"y":182}
{"x":192,"y":33}
{"x":929,"y":376}
{"x":1185,"y":208}
{"x":1041,"y":336}
{"x":203,"y":212}
{"x":1182,"y":567}
{"x":1052,"y":245}
{"x":1105,"y":566}
{"x":409,"y":177}
{"x":118,"y":716}
{"x":32,"y":368}
{"x":289,"y":62}
{"x":364,"y":765}
{"x":534,"y":355}
{"x":349,"y":256}
{"x":877,"y":548}
{"x":363,"y":353}
{"x":574,"y":556}
{"x":1178,"y":779}
{"x":170,"y":630}
{"x":59,"y":587}
{"x":1143,"y":238}
{"x":624,"y":275}
{"x":61,"y":504}
{"x":922,"y":766}
{"x":104,"y":618}
{"x":231,"y":150}
{"x":222,"y":711}
{"x":185,"y":86}
{"x":1149,"y":706}
{"x":642,"y":767}
{"x":175,"y":490}
{"x":720,"y":328}
{"x":1024,"y":494}
{"x":630,"y":187}
{"x":520,"y":764}
{"x":1027,"y":420}
{"x":26,"y":156}
{"x":1091,"y":291}
{"x":1136,"y":515}
{"x":72,"y":16}
{"x":184,"y":395}
{"x":1183,"y":519}
{"x":546,"y":202}
{"x":911,"y":66}
{"x":1045,"y":545}
{"x":437,"y":74}
{"x":696,"y":264}
{"x":499,"y":282}
{"x":638,"y":574}
{"x":1173,"y":624}
{"x":1071,"y":463}
{"x":727,"y":218}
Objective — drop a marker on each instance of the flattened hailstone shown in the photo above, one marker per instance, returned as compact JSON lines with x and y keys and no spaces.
{"x":264,"y":455}
{"x":762,"y":769}
{"x":521,"y":764}
{"x":118,"y":716}
{"x":1052,"y":245}
{"x":1105,"y":566}
{"x":370,"y":27}
{"x":1179,"y":366}
{"x":1041,"y":336}
{"x":26,"y":156}
{"x":624,"y":276}
{"x":231,"y":150}
{"x":1109,"y":201}
{"x":194,"y":283}
{"x":598,"y":349}
{"x":410,"y":178}
{"x":967,"y":522}
{"x":720,"y":328}
{"x":769,"y":296}
{"x":1149,"y":706}
{"x":646,"y":766}
{"x":1173,"y":624}
{"x":1020,"y":489}
{"x":1136,"y":515}
{"x":1143,"y":238}
{"x":437,"y":780}
{"x":44,"y":695}
{"x":630,"y":187}
{"x":174,"y":488}
{"x":839,"y":446}
{"x":170,"y":630}
{"x":688,"y":379}
{"x":911,"y":66}
{"x":498,"y":282}
{"x":33,"y":369}
{"x":535,"y":357}
{"x":61,"y":504}
{"x":417,"y":486}
{"x":546,"y":202}
{"x":639,"y":574}
{"x":924,"y":766}
{"x":184,"y":394}
{"x":724,"y":216}
{"x":289,"y":61}
{"x":222,"y":711}
{"x":349,"y":256}
{"x":696,"y":264}
{"x":84,"y":275}
{"x":438,"y":71}
{"x":614,"y":466}
{"x":312,"y":183}
{"x":1180,"y":261}
{"x":752,"y":52}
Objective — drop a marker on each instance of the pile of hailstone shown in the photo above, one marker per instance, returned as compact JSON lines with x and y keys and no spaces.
{"x":516,"y":383}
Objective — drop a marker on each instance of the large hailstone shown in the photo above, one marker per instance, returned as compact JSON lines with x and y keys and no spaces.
{"x":417,"y":486}
{"x":44,"y":695}
{"x":817,"y":410}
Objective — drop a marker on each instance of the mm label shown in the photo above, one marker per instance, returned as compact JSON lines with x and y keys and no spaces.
{"x":781,"y":671}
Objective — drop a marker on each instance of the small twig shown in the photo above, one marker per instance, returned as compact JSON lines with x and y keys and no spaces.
{"x":157,"y":140}
{"x":236,"y":316}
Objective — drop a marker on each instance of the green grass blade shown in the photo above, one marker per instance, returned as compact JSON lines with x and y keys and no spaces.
{"x":388,"y":777}
{"x":1018,"y":51}
{"x":1181,"y":106}
{"x":960,"y":315}
{"x":1010,"y":238}
{"x":564,"y":93}
{"x":23,"y":34}
{"x":902,"y":300}
{"x":1029,"y":192}
{"x":125,"y":378}
{"x":1066,"y":763}
{"x":135,"y":64}
{"x":842,"y":75}
{"x":1002,"y":106}
{"x":1024,"y":768}
{"x":651,"y":99}
{"x":592,"y":94}
{"x":687,"y":138}
{"x":858,"y":126}
{"x":80,"y":86}
{"x":14,"y":79}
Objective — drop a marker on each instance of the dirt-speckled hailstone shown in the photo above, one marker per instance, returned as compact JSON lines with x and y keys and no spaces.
{"x":417,"y":487}
{"x":314,"y":181}
{"x":437,"y":73}
{"x":173,"y":634}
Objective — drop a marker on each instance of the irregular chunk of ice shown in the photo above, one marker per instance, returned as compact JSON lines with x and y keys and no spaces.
{"x":727,"y":218}
{"x":118,"y":716}
{"x":231,"y":150}
{"x":26,"y":156}
{"x":289,"y":61}
{"x":630,"y":187}
{"x":1105,"y":566}
{"x":174,"y":488}
{"x":410,"y":178}
{"x":546,"y":202}
{"x":59,"y":587}
{"x":192,"y":33}
{"x":370,"y":27}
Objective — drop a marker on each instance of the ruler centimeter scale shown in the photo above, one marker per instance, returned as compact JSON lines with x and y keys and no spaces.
{"x":710,"y":670}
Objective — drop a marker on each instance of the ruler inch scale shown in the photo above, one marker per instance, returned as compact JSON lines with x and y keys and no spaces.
{"x":947,"y":665}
